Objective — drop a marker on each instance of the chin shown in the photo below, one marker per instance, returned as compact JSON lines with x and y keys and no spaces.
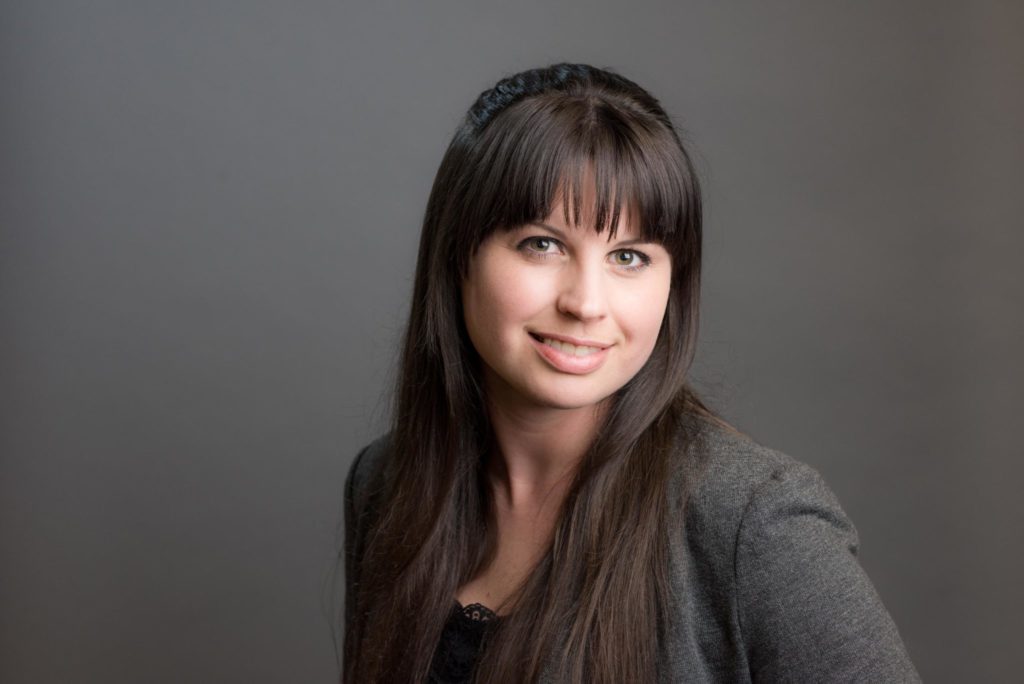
{"x":568,"y":400}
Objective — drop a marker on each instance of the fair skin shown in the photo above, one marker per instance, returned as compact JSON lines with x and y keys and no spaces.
{"x":562,"y":317}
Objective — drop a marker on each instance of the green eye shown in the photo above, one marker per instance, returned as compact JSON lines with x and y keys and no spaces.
{"x":631,"y":260}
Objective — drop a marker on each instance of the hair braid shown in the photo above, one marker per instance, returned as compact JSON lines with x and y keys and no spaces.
{"x":508,"y":91}
{"x":564,"y":77}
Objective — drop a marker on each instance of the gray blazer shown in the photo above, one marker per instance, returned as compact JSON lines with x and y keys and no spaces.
{"x":766,"y":582}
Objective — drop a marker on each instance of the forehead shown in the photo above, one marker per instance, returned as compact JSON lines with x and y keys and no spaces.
{"x":564,"y":215}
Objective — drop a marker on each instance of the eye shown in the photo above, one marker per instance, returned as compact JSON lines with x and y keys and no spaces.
{"x":539,"y":246}
{"x":630,"y":259}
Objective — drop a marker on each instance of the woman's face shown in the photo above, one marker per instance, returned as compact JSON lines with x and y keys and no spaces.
{"x":561,"y":316}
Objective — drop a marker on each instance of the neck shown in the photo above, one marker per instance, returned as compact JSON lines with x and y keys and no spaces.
{"x":537,"y":450}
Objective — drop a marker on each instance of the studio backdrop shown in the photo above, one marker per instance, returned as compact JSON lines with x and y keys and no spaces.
{"x":208,"y":220}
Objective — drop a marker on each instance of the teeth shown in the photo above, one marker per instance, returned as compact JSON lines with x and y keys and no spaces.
{"x":572,"y":349}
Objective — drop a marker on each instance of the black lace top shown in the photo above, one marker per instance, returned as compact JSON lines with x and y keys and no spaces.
{"x":459,"y":647}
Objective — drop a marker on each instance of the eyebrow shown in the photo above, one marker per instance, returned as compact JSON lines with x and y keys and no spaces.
{"x":561,"y":234}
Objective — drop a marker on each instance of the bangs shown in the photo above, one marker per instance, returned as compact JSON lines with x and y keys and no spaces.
{"x":584,"y":150}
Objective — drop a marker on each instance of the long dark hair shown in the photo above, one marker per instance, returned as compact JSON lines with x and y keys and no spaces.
{"x":590,"y":608}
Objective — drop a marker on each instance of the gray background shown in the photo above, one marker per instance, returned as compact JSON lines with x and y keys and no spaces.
{"x":209,"y":214}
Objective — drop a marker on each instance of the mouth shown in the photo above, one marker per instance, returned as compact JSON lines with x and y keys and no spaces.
{"x":573,"y":348}
{"x":570,"y":355}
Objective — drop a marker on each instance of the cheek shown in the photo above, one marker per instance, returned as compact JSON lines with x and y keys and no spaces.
{"x":642,"y":314}
{"x":498,"y":299}
{"x":503,"y":295}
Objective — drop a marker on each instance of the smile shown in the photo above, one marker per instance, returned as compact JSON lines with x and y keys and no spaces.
{"x":567,"y":357}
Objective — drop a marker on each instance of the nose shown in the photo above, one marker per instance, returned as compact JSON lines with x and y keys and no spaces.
{"x":582,"y":293}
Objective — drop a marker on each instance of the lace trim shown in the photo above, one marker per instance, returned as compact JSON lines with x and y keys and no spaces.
{"x":477,"y":612}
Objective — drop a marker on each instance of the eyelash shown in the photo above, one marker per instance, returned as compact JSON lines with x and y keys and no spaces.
{"x":525,"y":247}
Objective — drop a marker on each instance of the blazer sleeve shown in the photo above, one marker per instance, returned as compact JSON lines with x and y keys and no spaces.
{"x":353,"y":536}
{"x":807,"y":610}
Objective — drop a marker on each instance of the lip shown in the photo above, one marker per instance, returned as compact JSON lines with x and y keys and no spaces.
{"x":575,"y":341}
{"x":570,"y":363}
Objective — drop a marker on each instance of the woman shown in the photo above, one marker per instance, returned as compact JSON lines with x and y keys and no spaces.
{"x":554,"y":503}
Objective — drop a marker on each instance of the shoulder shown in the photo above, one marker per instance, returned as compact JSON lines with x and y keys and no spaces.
{"x":366,"y":471}
{"x":732,"y":476}
{"x":728,"y":460}
{"x":774,"y":536}
{"x":744,"y":498}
